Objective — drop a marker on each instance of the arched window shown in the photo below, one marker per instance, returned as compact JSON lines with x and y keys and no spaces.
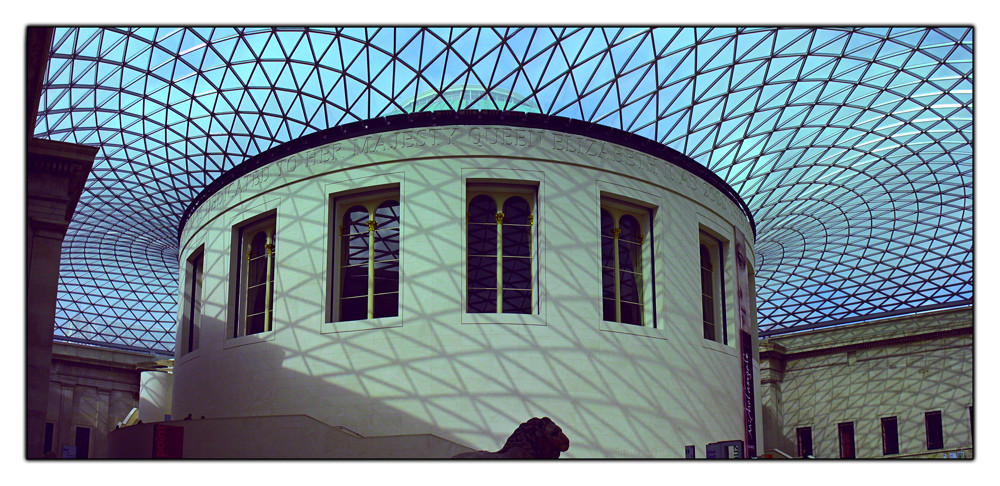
{"x":622,"y":265}
{"x":191,"y":319}
{"x":255,"y":296}
{"x":707,"y":293}
{"x":630,"y":270}
{"x":368,"y":258}
{"x":500,"y":265}
{"x":710,"y":255}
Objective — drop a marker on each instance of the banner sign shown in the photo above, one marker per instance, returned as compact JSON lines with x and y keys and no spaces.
{"x":168,"y":441}
{"x":746,"y":346}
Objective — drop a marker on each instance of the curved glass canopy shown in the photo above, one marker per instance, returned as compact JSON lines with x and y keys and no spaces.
{"x":853,"y":147}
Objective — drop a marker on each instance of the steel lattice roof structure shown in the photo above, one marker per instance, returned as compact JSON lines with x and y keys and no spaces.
{"x":852,"y":146}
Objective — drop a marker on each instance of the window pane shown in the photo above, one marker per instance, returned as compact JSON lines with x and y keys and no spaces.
{"x":630,"y":286}
{"x":607,"y":223}
{"x":607,"y":252}
{"x":386,"y":277}
{"x":386,"y":244}
{"x":257,"y":271}
{"x":354,"y":281}
{"x":515,"y":211}
{"x":355,"y":249}
{"x":255,"y":324}
{"x":608,"y":283}
{"x":386,"y":305}
{"x":516,"y":273}
{"x":630,"y":229}
{"x":628,"y":254}
{"x":257,"y":244}
{"x":517,"y":301}
{"x":354,"y":309}
{"x":355,"y":220}
{"x":631,"y":313}
{"x":516,"y":240}
{"x":482,"y":239}
{"x":709,"y":330}
{"x":387,"y":215}
{"x":482,"y":209}
{"x":256,"y":299}
{"x":194,"y":316}
{"x":706,"y":282}
{"x":482,"y":272}
{"x":707,"y":293}
{"x":482,"y":300}
{"x":609,"y":310}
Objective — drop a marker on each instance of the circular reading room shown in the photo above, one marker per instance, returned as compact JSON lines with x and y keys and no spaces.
{"x":471,"y":242}
{"x":444,"y":276}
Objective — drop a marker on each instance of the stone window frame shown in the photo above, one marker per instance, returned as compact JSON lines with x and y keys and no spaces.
{"x":189,"y":332}
{"x":721,"y":231}
{"x":654,"y":315}
{"x":358,"y":189}
{"x":371,"y":201}
{"x":504,"y":181}
{"x":501,"y":194}
{"x":249,"y":216}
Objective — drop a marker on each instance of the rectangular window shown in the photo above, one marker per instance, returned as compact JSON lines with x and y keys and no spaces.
{"x":82,"y":442}
{"x":845,"y":430}
{"x":624,"y":230}
{"x":192,"y":301}
{"x":932,"y":425}
{"x":711,"y":252}
{"x":500,"y":268}
{"x":367,"y":256}
{"x":256,"y":253}
{"x":890,"y":436}
{"x":804,"y":437}
{"x":49,"y":432}
{"x":972,"y":427}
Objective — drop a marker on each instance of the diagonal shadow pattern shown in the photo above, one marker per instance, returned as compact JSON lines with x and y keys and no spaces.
{"x":852,"y":146}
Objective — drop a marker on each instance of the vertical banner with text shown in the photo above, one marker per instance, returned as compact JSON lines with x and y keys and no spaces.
{"x":168,"y":441}
{"x":746,"y":344}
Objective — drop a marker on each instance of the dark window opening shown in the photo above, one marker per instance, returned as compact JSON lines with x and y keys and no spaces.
{"x":932,"y":424}
{"x":82,"y":442}
{"x":804,"y":436}
{"x":845,"y":430}
{"x":500,"y":266}
{"x":49,"y":432}
{"x":368,"y":283}
{"x":193,"y":298}
{"x":890,"y":436}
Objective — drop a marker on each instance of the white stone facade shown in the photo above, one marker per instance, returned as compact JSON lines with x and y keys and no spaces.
{"x":903,"y":368}
{"x":617,"y":390}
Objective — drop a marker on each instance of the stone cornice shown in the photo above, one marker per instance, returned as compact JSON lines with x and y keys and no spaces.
{"x":789,"y":356}
{"x":56,"y":158}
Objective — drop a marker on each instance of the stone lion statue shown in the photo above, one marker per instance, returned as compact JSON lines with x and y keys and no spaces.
{"x":538,"y":438}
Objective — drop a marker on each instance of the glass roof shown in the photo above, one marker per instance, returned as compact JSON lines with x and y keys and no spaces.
{"x":852,"y":146}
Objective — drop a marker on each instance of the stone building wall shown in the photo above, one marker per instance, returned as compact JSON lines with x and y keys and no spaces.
{"x":901,"y":367}
{"x":93,"y":388}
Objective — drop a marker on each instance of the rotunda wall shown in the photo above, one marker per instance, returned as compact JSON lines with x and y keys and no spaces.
{"x":618,"y":390}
